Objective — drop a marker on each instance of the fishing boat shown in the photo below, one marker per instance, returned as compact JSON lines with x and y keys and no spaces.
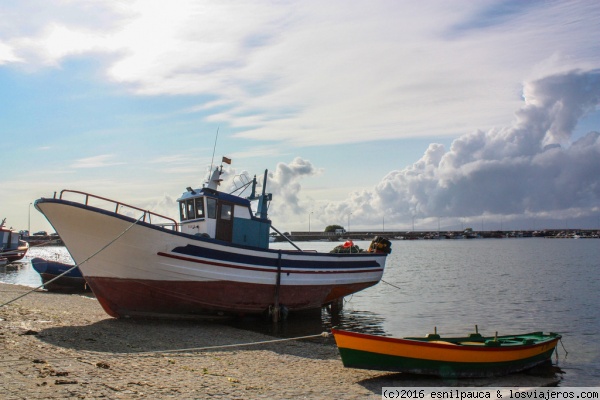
{"x":215,"y":260}
{"x":474,"y":356}
{"x":50,"y":271}
{"x":11,"y":246}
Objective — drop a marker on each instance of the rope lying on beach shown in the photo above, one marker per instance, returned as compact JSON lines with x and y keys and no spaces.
{"x":74,"y":266}
{"x":216,"y":347}
{"x":172,"y":351}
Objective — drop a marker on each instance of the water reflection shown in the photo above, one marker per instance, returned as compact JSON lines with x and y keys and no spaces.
{"x":22,"y":273}
{"x":313,"y":323}
{"x":11,"y":271}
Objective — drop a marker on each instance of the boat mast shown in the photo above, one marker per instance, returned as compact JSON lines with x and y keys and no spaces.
{"x":214,"y":148}
{"x":215,"y":179}
{"x":263,"y":199}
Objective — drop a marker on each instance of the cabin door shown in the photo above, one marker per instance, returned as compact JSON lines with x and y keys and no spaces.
{"x":224,"y":222}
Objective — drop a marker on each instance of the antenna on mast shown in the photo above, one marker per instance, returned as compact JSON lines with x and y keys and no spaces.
{"x":214,"y":148}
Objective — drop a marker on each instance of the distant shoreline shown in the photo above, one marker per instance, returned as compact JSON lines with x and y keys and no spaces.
{"x":434,"y":234}
{"x":304,"y":236}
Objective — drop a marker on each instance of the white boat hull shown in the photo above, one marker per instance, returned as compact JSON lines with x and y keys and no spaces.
{"x":153,"y":270}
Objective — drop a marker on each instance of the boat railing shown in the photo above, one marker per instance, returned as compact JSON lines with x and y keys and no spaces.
{"x":121,"y":208}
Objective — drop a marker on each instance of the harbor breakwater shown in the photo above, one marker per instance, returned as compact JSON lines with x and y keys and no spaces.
{"x":300,"y":236}
{"x":437,"y":235}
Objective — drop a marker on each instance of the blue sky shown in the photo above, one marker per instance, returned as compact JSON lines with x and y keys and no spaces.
{"x":469,"y":113}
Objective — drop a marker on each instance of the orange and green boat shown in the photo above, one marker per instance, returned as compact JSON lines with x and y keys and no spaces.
{"x":472,"y":356}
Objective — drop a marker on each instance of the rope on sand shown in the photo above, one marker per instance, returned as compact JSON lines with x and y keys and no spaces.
{"x":172,"y":351}
{"x":74,"y":266}
{"x":224,"y":346}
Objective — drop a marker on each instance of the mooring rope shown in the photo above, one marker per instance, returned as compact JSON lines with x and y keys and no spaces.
{"x":563,"y":346}
{"x":391,"y":284}
{"x":74,"y":266}
{"x":172,"y":351}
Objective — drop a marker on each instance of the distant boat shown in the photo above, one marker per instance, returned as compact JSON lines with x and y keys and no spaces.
{"x":464,"y":357}
{"x":70,"y":282}
{"x":216,"y":260}
{"x":11,"y":246}
{"x":469,"y":234}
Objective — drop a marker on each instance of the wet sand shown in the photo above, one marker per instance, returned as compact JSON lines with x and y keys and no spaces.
{"x":57,"y":346}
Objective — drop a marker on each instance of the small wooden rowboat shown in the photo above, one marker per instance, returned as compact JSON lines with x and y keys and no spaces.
{"x":467,"y":357}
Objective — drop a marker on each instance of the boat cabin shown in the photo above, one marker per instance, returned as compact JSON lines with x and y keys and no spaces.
{"x":8,"y":238}
{"x":11,"y":245}
{"x":226,"y":217}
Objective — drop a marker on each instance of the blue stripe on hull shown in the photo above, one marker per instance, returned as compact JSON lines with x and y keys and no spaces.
{"x":337,"y":261}
{"x":312,"y":270}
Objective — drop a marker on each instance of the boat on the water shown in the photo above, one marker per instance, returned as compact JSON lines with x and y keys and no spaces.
{"x":215,"y":260}
{"x":72,"y":281}
{"x":11,"y":246}
{"x":474,"y":356}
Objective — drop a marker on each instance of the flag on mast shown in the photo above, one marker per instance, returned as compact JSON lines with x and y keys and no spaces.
{"x":226,"y":160}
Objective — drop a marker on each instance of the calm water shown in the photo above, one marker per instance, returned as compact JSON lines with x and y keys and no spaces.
{"x":504,"y":285}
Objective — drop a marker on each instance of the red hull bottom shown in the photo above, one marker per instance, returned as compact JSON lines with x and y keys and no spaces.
{"x":128,"y":298}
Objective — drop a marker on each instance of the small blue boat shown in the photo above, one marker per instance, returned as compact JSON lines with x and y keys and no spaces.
{"x":70,"y":282}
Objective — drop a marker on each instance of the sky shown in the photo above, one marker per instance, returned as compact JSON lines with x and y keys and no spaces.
{"x":394,"y":115}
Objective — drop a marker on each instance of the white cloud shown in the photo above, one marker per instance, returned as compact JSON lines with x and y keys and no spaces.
{"x":310,"y":73}
{"x":529,"y":168}
{"x":7,"y":55}
{"x":285,"y":186}
{"x":100,"y":161}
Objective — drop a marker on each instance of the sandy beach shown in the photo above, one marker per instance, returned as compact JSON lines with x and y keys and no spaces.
{"x":65,"y":346}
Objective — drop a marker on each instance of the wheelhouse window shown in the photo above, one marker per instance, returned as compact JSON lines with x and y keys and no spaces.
{"x":191,"y":209}
{"x":211,"y":207}
{"x":182,"y":215}
{"x":226,"y":211}
{"x":199,"y":207}
{"x":189,"y":205}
